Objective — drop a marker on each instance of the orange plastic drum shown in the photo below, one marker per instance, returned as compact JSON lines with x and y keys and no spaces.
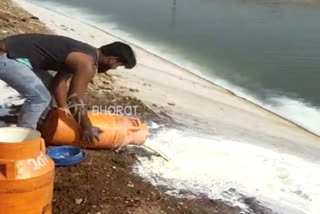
{"x":61,"y":128}
{"x":26,"y":173}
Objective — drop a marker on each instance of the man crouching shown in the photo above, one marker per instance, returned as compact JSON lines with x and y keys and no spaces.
{"x":24,"y":56}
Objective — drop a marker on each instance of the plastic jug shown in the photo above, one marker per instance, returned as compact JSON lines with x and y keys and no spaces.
{"x":26,"y":172}
{"x":60,"y":128}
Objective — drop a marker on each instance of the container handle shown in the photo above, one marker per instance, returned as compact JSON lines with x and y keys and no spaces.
{"x":3,"y":170}
{"x":136,"y":124}
{"x":42,"y":145}
{"x":8,"y":169}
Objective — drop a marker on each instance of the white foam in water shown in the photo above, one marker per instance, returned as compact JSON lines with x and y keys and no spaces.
{"x":204,"y":164}
{"x":297,"y":111}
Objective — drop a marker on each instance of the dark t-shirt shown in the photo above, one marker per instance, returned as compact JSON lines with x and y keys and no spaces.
{"x":46,"y":52}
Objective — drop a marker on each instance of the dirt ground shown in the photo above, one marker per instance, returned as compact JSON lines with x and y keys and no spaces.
{"x":104,"y":182}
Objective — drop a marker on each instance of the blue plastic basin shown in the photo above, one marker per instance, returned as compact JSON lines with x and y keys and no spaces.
{"x":66,"y":155}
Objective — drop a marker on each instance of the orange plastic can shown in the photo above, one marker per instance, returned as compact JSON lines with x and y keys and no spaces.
{"x":61,"y":128}
{"x":26,"y":172}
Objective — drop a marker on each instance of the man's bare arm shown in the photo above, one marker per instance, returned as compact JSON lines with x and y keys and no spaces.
{"x":59,"y":88}
{"x":83,"y":70}
{"x":78,"y":87}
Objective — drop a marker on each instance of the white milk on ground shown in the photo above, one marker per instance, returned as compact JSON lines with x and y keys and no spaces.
{"x":8,"y":97}
{"x":214,"y":166}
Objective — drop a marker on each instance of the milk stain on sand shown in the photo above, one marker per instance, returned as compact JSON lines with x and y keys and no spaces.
{"x":232,"y":171}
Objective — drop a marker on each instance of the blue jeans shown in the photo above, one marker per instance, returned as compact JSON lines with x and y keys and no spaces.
{"x":29,"y":85}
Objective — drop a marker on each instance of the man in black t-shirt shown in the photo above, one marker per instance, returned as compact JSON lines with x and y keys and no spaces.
{"x":23,"y":55}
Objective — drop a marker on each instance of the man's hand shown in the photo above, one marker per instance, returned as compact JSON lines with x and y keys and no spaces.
{"x":90,"y":134}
